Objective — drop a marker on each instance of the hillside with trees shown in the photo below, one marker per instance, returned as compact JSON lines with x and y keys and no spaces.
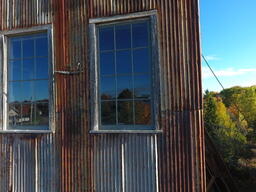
{"x":230,"y":120}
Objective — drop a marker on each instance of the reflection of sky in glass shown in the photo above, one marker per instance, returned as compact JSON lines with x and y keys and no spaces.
{"x":107,"y":63}
{"x":125,"y":69}
{"x":106,"y":37}
{"x":123,"y":62}
{"x":141,"y":60}
{"x":108,"y":87}
{"x":140,"y":34}
{"x":123,"y":36}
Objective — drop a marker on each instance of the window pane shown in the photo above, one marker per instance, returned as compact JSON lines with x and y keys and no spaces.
{"x":140,"y":34}
{"x":41,"y":47}
{"x":41,"y":90}
{"x":141,"y":61}
{"x":15,"y":92}
{"x":123,"y":36}
{"x":28,"y":69}
{"x":124,"y":87}
{"x":142,"y":86}
{"x":107,"y":88}
{"x":14,"y":70}
{"x":27,"y":89}
{"x":125,"y":112}
{"x":28,"y":48}
{"x":107,"y":63}
{"x":42,"y":114}
{"x":28,"y":114}
{"x":123,"y":62}
{"x":108,"y":113}
{"x":15,"y":49}
{"x":42,"y":68}
{"x":14,"y":113}
{"x":142,"y":112}
{"x":106,"y":38}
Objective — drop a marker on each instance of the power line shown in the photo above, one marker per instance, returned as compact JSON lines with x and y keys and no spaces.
{"x":236,"y":106}
{"x":212,"y":72}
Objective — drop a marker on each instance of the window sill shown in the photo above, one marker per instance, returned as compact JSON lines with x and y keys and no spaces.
{"x":26,"y":131}
{"x":125,"y":131}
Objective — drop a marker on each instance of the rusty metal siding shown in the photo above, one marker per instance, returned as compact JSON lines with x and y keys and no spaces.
{"x":125,"y":163}
{"x":181,"y":146}
{"x":71,"y":159}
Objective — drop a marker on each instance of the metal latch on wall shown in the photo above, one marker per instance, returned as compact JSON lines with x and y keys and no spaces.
{"x":71,"y":72}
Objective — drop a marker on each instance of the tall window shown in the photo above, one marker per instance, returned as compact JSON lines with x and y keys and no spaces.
{"x":124,"y":59}
{"x":27,"y":82}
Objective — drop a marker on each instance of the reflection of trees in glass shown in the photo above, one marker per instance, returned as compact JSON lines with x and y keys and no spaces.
{"x":142,"y":112}
{"x":125,"y":112}
{"x":125,"y":94}
{"x":108,"y":113}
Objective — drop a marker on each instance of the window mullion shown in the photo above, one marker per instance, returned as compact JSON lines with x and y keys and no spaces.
{"x":116,"y":101}
{"x":133,"y":90}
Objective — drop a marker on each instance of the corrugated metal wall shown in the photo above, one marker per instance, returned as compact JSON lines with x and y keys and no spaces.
{"x":71,"y":159}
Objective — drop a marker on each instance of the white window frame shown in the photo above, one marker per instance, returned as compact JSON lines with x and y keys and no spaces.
{"x":94,"y":84}
{"x":4,"y":36}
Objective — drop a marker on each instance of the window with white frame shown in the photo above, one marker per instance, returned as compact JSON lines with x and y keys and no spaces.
{"x":27,"y":80}
{"x":124,"y":66}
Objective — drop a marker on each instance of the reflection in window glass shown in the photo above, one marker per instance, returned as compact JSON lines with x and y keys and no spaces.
{"x":125,"y":112}
{"x":123,"y":62}
{"x":140,"y":34}
{"x":141,"y":60}
{"x":125,"y":75}
{"x":142,"y":112}
{"x":107,"y":63}
{"x":124,"y":87}
{"x":28,"y":48}
{"x":108,"y":112}
{"x":14,"y":70}
{"x":28,"y":69}
{"x":106,"y":36}
{"x":107,"y":88}
{"x":28,"y":82}
{"x":123,"y":36}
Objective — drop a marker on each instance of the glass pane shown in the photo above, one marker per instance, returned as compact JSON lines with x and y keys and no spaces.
{"x":42,"y":68}
{"x":14,"y":113}
{"x":123,"y":62}
{"x":108,"y":113}
{"x":14,"y":70}
{"x":124,"y":87}
{"x":125,"y":112}
{"x":140,"y":34}
{"x":142,"y":112}
{"x":42,"y":114}
{"x":15,"y":92}
{"x":41,"y":47}
{"x":108,"y":88}
{"x":142,"y":86}
{"x":141,"y":61}
{"x":41,"y":90}
{"x":107,"y":63}
{"x":28,"y":114}
{"x":28,"y":48}
{"x":28,"y":69}
{"x":106,"y":38}
{"x":27,"y":89}
{"x":15,"y":49}
{"x":123,"y":36}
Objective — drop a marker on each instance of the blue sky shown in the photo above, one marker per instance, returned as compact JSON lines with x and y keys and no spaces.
{"x":228,"y":39}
